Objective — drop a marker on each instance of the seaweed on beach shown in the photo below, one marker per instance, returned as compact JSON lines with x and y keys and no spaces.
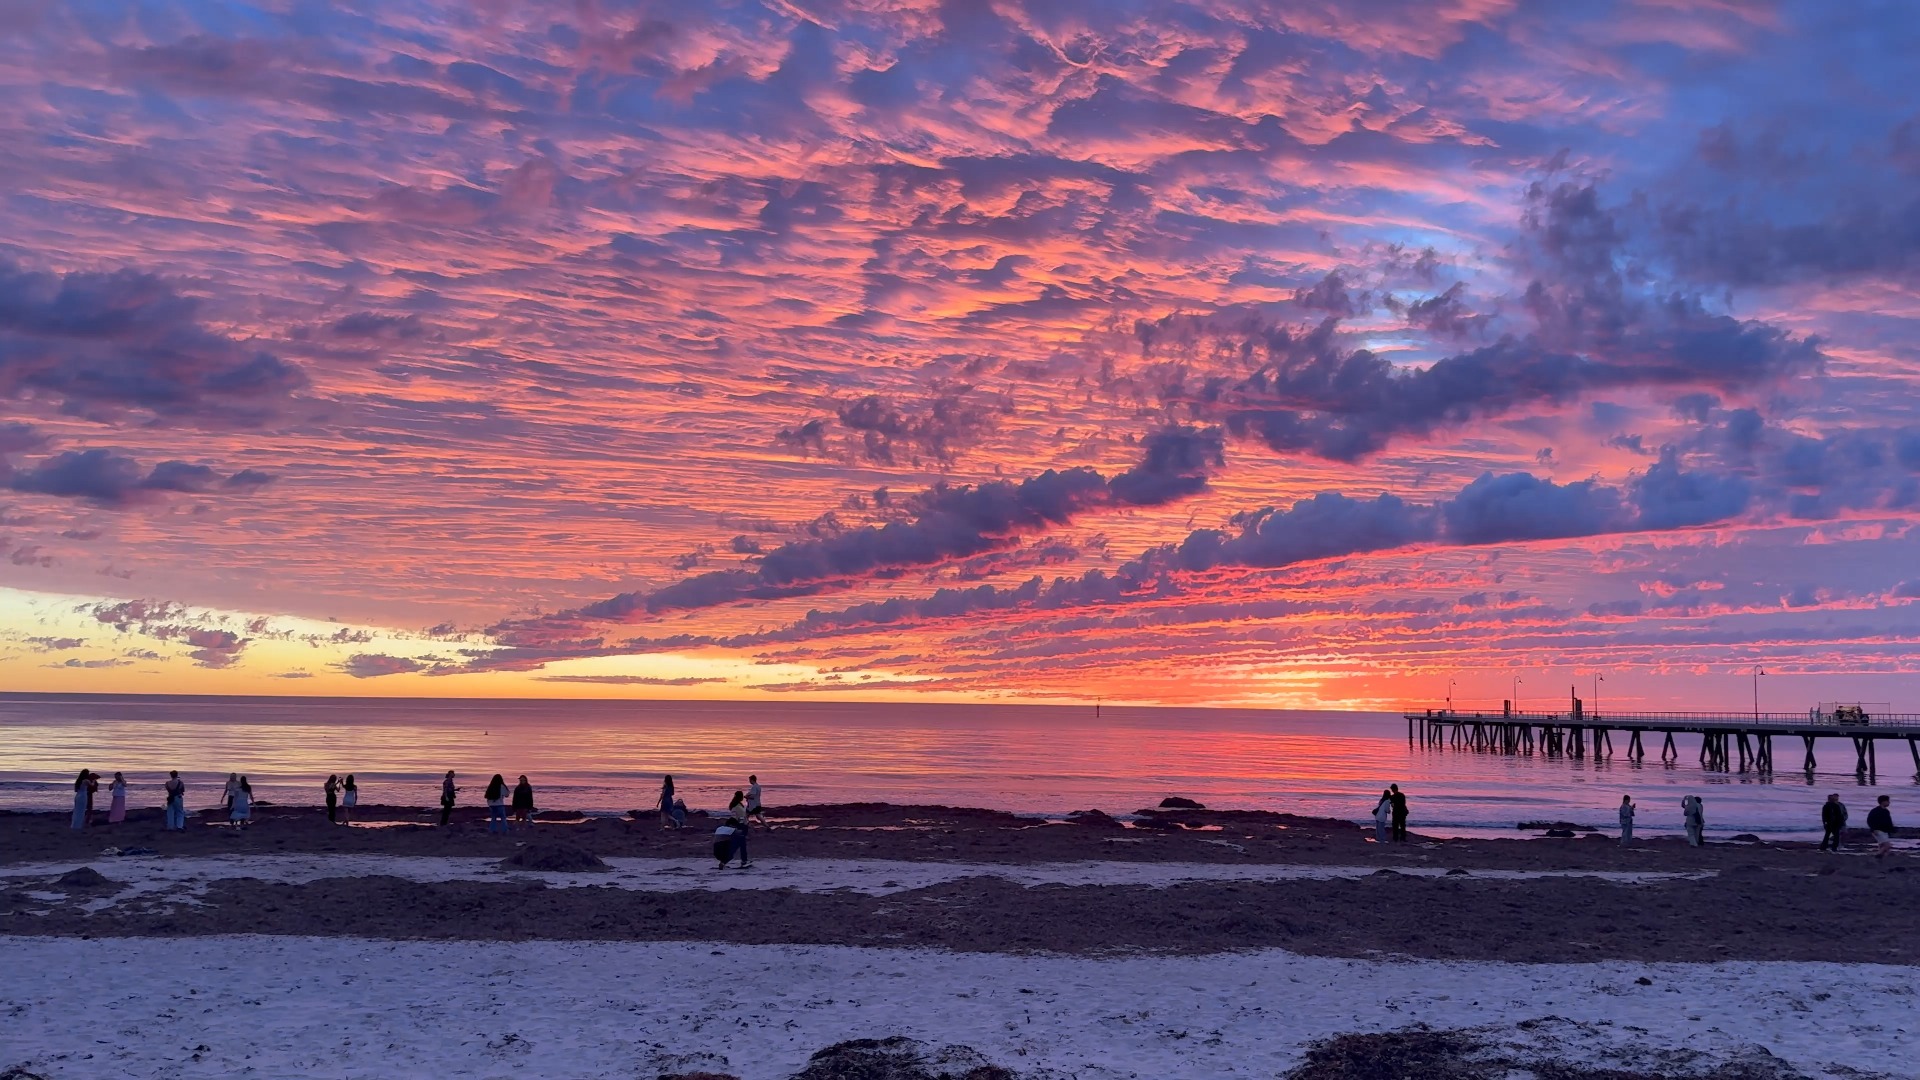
{"x":1472,"y":1055}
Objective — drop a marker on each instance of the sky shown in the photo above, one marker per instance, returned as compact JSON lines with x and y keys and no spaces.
{"x":1320,"y":354}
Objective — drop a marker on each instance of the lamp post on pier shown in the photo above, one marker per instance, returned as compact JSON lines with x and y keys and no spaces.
{"x":1757,"y":672}
{"x":1597,"y":680}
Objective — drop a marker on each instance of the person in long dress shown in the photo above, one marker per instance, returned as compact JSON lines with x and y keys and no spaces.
{"x":349,"y":798}
{"x":242,"y":810}
{"x":1382,"y":816}
{"x":176,"y":802}
{"x":117,"y":808}
{"x":1626,"y":820}
{"x":666,"y":800}
{"x":81,"y":800}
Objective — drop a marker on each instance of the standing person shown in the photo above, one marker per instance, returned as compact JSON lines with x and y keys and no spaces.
{"x":666,"y":800}
{"x":1833,"y":821}
{"x":1399,"y":813}
{"x":1694,"y":810}
{"x":241,"y":812}
{"x":447,"y":792}
{"x":497,"y":803}
{"x":523,"y":801}
{"x":333,"y":798}
{"x":226,"y":796}
{"x":81,"y":800}
{"x":1880,"y":820}
{"x":1626,"y":820}
{"x":117,"y":808}
{"x":93,"y":788}
{"x":176,"y":802}
{"x":755,"y":811}
{"x":1382,"y":815}
{"x":349,"y":798}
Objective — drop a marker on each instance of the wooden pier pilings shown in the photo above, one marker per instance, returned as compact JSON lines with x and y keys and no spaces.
{"x":1728,"y":742}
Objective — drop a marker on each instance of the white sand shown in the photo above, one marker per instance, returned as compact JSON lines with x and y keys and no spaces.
{"x":185,"y":877}
{"x":308,"y":1007}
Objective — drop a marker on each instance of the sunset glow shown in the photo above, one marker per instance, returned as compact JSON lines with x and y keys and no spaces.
{"x":1161,"y":351}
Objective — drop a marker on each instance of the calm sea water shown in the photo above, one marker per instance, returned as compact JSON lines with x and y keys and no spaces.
{"x":607,"y":757}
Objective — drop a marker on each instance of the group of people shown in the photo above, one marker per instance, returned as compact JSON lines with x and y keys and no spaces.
{"x":1833,"y":822}
{"x":1390,"y":816}
{"x":342,"y":797}
{"x":498,"y":797}
{"x":237,"y":800}
{"x":730,"y":839}
{"x":1390,"y":820}
{"x":86,"y":786}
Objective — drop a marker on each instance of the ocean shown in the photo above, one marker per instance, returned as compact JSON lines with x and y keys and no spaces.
{"x":606,"y":757}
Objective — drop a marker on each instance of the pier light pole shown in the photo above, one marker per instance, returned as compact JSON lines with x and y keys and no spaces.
{"x":1597,"y":680}
{"x":1756,"y":692}
{"x":1449,"y":695}
{"x":1516,"y":693}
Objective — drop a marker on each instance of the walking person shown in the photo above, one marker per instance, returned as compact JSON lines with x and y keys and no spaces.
{"x":240,"y":813}
{"x":349,"y":798}
{"x":1382,"y":816}
{"x":523,"y":801}
{"x":1626,"y":820}
{"x":81,"y":800}
{"x":1880,"y":821}
{"x":117,"y":806}
{"x":1833,"y":822}
{"x":447,"y":792}
{"x":755,"y":811}
{"x":666,"y":801}
{"x":1694,"y":810}
{"x":1399,"y":800}
{"x":226,"y":795}
{"x":176,"y":802}
{"x":497,"y":804}
{"x":333,"y":798}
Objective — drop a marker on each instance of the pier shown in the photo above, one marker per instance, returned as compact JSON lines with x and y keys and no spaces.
{"x":1729,"y":742}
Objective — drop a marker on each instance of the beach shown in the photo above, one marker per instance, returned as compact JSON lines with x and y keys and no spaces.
{"x":1212,"y":942}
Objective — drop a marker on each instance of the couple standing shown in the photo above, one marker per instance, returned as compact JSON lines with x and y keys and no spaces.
{"x":1391,"y":810}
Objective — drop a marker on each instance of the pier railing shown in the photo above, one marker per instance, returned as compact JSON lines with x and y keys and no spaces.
{"x":1605,"y":718}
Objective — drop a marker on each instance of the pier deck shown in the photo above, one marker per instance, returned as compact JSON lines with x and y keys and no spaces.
{"x":1728,"y":741}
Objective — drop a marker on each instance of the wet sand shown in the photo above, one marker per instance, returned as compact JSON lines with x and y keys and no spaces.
{"x":1742,"y":902}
